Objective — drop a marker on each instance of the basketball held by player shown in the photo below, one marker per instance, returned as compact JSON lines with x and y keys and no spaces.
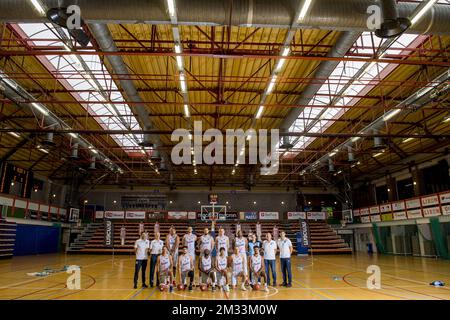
{"x":207,"y":272}
{"x":185,"y":269}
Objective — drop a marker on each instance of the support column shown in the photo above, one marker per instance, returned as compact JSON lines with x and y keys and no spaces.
{"x":418,"y":181}
{"x":391,"y":184}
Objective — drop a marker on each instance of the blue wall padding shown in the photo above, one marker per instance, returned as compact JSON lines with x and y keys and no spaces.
{"x":32,"y":239}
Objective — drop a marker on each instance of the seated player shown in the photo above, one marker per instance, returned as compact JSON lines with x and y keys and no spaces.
{"x":256,"y":269}
{"x":164,"y":268}
{"x":238,"y":268}
{"x":206,"y":269}
{"x":222,"y":269}
{"x":186,"y":268}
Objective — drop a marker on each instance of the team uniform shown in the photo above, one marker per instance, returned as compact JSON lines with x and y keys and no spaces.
{"x":208,"y":271}
{"x":190,"y":240}
{"x":222,"y":265}
{"x":222,"y":242}
{"x":172,"y":243}
{"x":164,"y":268}
{"x":206,"y":243}
{"x":186,"y":268}
{"x":237,"y":268}
{"x":240,"y":244}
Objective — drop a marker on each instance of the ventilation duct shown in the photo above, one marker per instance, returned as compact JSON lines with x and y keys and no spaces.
{"x":350,"y":154}
{"x":392,"y":25}
{"x":92,"y":164}
{"x":59,"y":17}
{"x":48,"y":139}
{"x":323,"y":14}
{"x":330,"y":165}
{"x":378,"y":142}
{"x":74,"y":151}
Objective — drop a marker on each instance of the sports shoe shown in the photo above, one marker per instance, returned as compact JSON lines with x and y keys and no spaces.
{"x":227,"y":288}
{"x":243,"y":288}
{"x":144,"y":286}
{"x":213,"y":288}
{"x":266,"y":289}
{"x":135,"y":286}
{"x":288,"y":285}
{"x":190,"y":287}
{"x":171,"y":288}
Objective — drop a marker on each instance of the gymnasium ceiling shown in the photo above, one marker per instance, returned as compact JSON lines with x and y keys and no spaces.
{"x":228,"y":70}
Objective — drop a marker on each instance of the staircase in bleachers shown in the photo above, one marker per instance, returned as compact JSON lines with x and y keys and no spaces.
{"x":324,"y":240}
{"x":7,"y":239}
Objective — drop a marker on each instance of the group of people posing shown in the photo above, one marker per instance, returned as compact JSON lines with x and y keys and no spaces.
{"x":219,"y":262}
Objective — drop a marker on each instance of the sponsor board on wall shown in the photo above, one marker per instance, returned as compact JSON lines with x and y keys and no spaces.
{"x":99,"y":214}
{"x":178,"y":215}
{"x":386,"y":217}
{"x":269,"y":215}
{"x":364,"y":211}
{"x":430,"y":200}
{"x":74,"y":214}
{"x":192,"y":215}
{"x":400,"y":215}
{"x":312,"y":215}
{"x":251,"y":215}
{"x":431,"y":212}
{"x":398,"y":206}
{"x":444,"y":197}
{"x":135,"y":215}
{"x":446,"y":210}
{"x":296,"y":215}
{"x":413,"y":203}
{"x":155,"y":215}
{"x":114,"y":214}
{"x":384,"y":208}
{"x":356,"y":212}
{"x":374,"y":210}
{"x":365,"y":219}
{"x":228,"y":216}
{"x":375,"y":218}
{"x":414,"y":214}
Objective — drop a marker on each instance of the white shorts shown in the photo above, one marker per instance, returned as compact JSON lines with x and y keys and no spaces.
{"x":220,"y":278}
{"x":175,"y":258}
{"x":206,"y":276}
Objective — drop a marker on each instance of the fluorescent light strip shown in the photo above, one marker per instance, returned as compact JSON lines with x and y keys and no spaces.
{"x":304,"y":10}
{"x":37,"y":5}
{"x":260,"y":111}
{"x":40,"y":108}
{"x":422,"y":11}
{"x":408,"y":140}
{"x":171,"y":7}
{"x":332,"y":154}
{"x":186,"y":111}
{"x":377,"y":154}
{"x":73,"y":135}
{"x":271,"y":84}
{"x":14,"y":134}
{"x":182,"y":82}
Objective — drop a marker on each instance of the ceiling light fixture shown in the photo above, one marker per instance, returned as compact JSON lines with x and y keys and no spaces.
{"x":259,"y":113}
{"x":422,"y":11}
{"x":304,"y":10}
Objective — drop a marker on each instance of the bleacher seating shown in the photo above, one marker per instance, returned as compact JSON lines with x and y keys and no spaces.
{"x":7,"y":238}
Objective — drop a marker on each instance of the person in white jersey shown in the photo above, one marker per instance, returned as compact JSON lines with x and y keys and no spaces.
{"x":206,"y":241}
{"x":256,"y":269}
{"x":270,"y":249}
{"x":186,"y":268}
{"x":189,"y":240}
{"x":206,"y":268}
{"x":221,"y":265}
{"x":141,"y":247}
{"x":156,"y":228}
{"x":238,"y":227}
{"x":173,"y":242}
{"x":156,"y":247}
{"x":286,"y":249}
{"x":238,"y":268}
{"x":258,"y":231}
{"x":241,"y":244}
{"x":275,"y":233}
{"x":222,"y":241}
{"x":123,"y":235}
{"x":164,"y":269}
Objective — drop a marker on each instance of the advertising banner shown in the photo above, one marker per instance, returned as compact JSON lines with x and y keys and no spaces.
{"x":365,"y":219}
{"x":375,"y":218}
{"x":303,"y":239}
{"x":155,"y":215}
{"x":296,"y":215}
{"x":414,"y":214}
{"x":364,"y":211}
{"x":401,"y":215}
{"x":398,"y":206}
{"x":252,"y":215}
{"x":178,"y":215}
{"x":431,"y":212}
{"x":385,"y":208}
{"x":429,"y":200}
{"x":109,"y":234}
{"x":413,"y":203}
{"x":99,"y":214}
{"x":313,"y":215}
{"x":444,"y":197}
{"x":114,"y":214}
{"x":271,"y":215}
{"x":446,"y":210}
{"x":74,"y":214}
{"x":138,"y":215}
{"x":192,"y":215}
{"x":374,"y":210}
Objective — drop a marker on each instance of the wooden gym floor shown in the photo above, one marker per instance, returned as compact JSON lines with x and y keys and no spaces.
{"x":339,"y":277}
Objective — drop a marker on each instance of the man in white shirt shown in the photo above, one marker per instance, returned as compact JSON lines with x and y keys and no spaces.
{"x":222,"y":241}
{"x":141,"y":247}
{"x":270,"y":249}
{"x":286,"y":249}
{"x":155,"y":250}
{"x":206,"y":242}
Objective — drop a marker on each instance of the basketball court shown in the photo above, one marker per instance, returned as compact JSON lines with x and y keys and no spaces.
{"x":317,"y":132}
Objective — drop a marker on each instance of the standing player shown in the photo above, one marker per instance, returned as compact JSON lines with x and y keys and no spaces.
{"x":238,"y":227}
{"x":164,"y":269}
{"x":156,"y":228}
{"x":206,"y":269}
{"x":141,"y":227}
{"x":173,"y":242}
{"x":222,"y":241}
{"x":222,"y":269}
{"x":123,"y":235}
{"x":156,"y":247}
{"x":275,"y":232}
{"x":189,"y":240}
{"x":186,"y":268}
{"x":241,"y":244}
{"x":256,"y":269}
{"x":258,"y":231}
{"x":206,"y":241}
{"x":238,"y":269}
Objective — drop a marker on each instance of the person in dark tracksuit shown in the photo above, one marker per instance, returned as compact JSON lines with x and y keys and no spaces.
{"x":141,"y":247}
{"x":155,"y":250}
